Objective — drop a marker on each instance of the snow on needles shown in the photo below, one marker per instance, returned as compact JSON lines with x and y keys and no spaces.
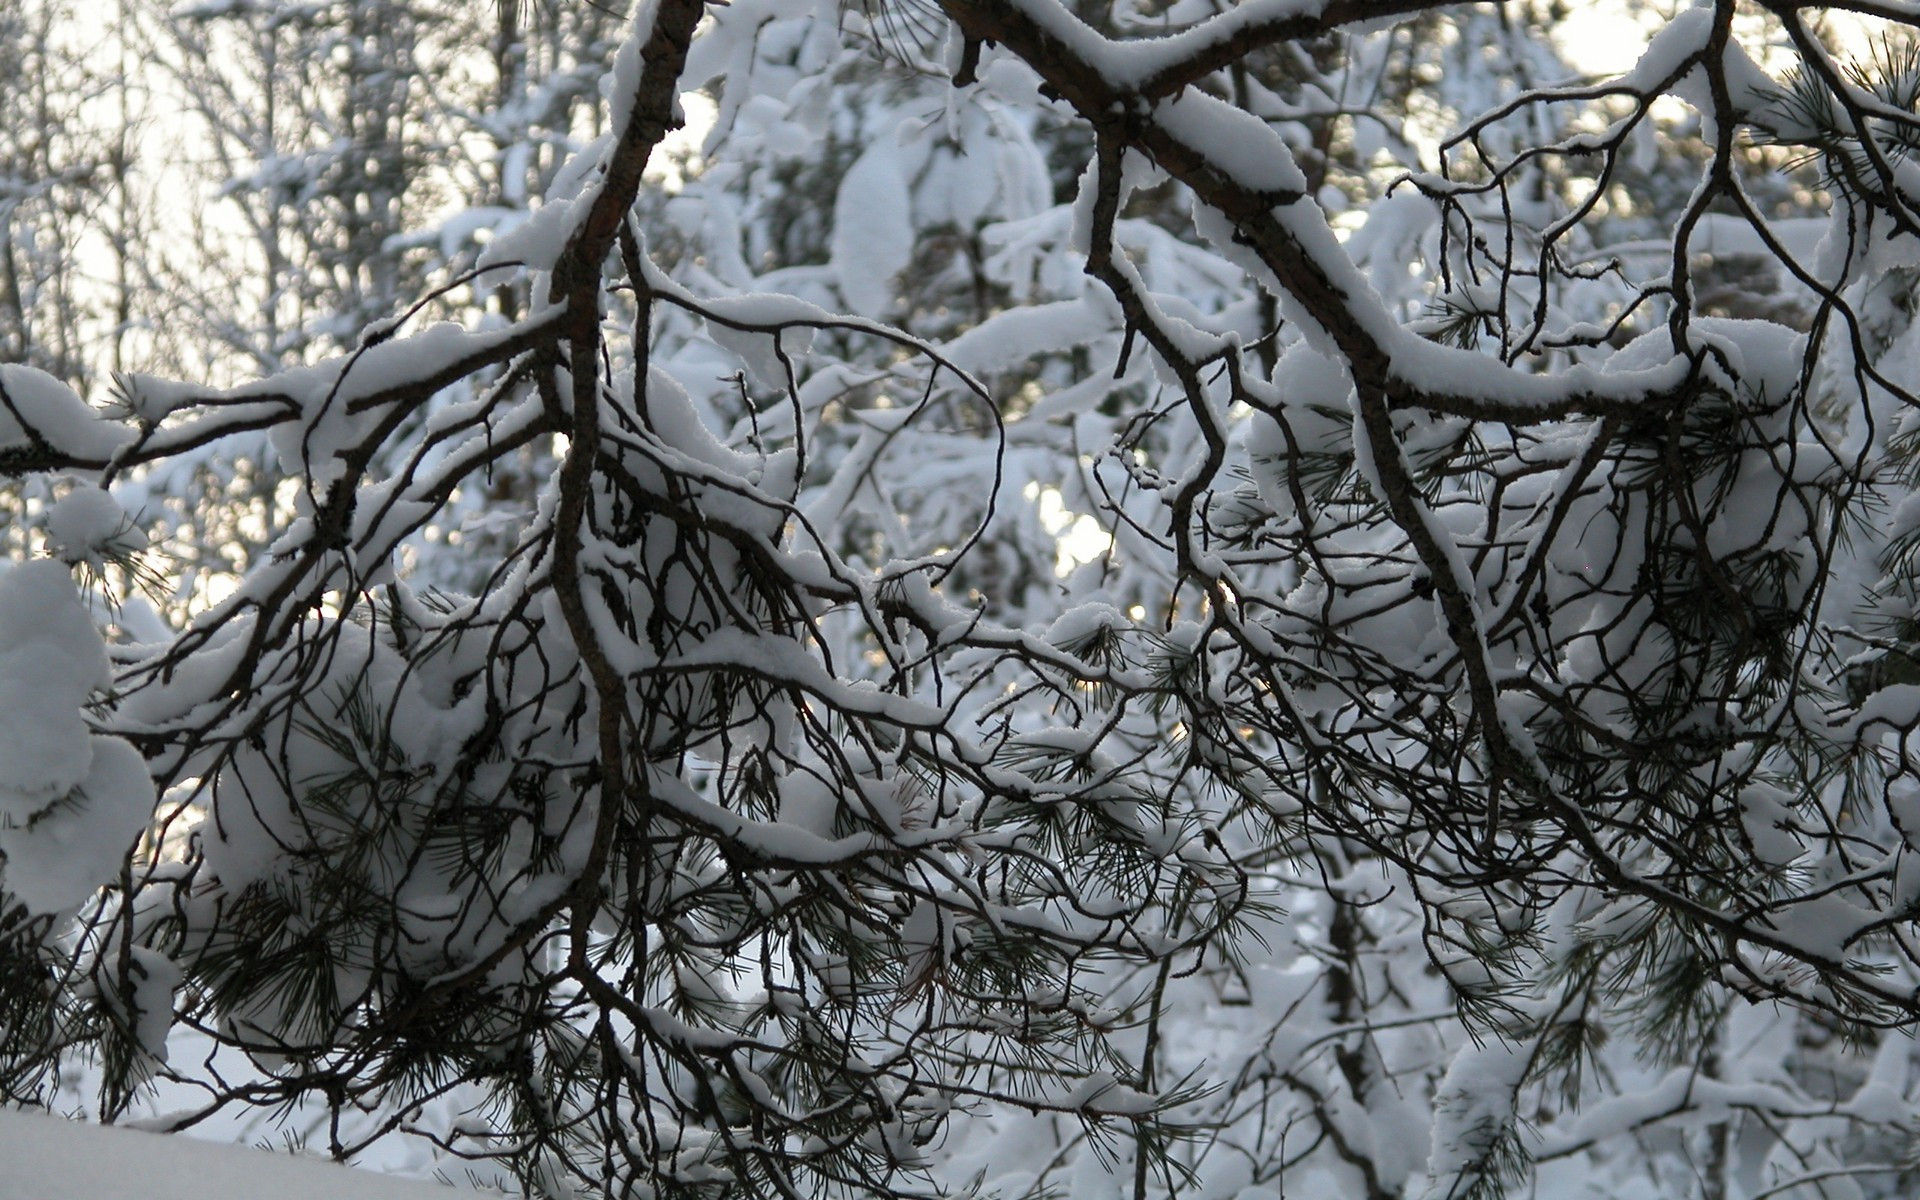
{"x":88,"y":525}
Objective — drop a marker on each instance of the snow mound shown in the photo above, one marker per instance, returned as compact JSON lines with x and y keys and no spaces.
{"x":70,"y":801}
{"x":50,"y":1159}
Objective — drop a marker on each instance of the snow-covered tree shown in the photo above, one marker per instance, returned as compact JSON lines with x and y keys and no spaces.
{"x":1179,"y":599}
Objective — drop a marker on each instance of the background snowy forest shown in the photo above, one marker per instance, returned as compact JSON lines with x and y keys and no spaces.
{"x":1022,"y":598}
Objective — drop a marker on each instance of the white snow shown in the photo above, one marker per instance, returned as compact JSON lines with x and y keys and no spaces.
{"x":786,"y":320}
{"x":1005,"y":340}
{"x":1682,"y":38}
{"x":70,"y":802}
{"x":1239,"y":144}
{"x":51,"y":660}
{"x":872,"y":228}
{"x":56,"y":862}
{"x":1083,"y":621}
{"x":88,"y":525}
{"x":55,"y":414}
{"x":48,"y":1158}
{"x":1473,"y":1107}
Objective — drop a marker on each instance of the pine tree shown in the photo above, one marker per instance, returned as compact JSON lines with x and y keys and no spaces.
{"x":1137,"y":599}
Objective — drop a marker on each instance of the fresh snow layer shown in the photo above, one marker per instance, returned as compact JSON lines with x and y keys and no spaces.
{"x":71,"y":802}
{"x":872,"y":228}
{"x":51,"y":660}
{"x":43,"y":1157}
{"x":54,"y":863}
{"x":54,"y":414}
{"x":88,"y":525}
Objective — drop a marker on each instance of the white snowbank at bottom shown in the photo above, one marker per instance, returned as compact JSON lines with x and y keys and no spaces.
{"x":43,"y":1157}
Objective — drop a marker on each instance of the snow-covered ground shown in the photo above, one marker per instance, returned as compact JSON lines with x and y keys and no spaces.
{"x":44,"y":1157}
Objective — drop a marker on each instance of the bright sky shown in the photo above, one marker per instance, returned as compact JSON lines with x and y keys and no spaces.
{"x":1604,"y":37}
{"x":1600,"y":38}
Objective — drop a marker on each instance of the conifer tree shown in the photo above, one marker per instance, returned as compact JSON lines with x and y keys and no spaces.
{"x":1163,"y":600}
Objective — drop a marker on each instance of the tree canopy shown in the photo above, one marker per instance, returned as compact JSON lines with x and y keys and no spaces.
{"x":972,"y":597}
